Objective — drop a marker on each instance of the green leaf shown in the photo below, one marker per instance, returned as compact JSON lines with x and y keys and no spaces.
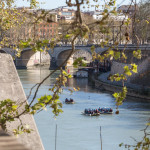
{"x":117,"y":55}
{"x":134,"y":68}
{"x":120,"y":144}
{"x":125,"y":89}
{"x":14,"y":107}
{"x":45,"y":41}
{"x":124,"y":56}
{"x":137,"y":54}
{"x":79,"y":62}
{"x":69,"y":76}
{"x":92,"y":48}
{"x":115,"y":95}
{"x":64,"y":72}
{"x":127,"y":71}
{"x":147,"y":21}
{"x":111,"y":52}
{"x":67,"y":36}
{"x":148,"y":124}
{"x":105,"y":10}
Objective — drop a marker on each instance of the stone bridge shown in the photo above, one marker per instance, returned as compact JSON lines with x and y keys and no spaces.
{"x":53,"y":58}
{"x":60,"y":53}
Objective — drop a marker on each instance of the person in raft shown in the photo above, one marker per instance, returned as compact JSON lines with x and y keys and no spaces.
{"x":71,"y":100}
{"x":66,"y":100}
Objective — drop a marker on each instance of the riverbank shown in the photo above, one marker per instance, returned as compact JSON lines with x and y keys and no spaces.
{"x":138,"y":92}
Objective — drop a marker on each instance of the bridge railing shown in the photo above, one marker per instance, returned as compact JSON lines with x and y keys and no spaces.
{"x":97,"y":45}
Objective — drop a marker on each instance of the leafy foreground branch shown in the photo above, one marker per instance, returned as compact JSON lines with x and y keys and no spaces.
{"x":11,"y":111}
{"x":144,"y":144}
{"x":16,"y":110}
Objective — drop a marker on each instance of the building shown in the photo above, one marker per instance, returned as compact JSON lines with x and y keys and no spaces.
{"x":128,"y":9}
{"x":110,"y":29}
{"x":65,"y":14}
{"x":97,"y":15}
{"x":47,"y":30}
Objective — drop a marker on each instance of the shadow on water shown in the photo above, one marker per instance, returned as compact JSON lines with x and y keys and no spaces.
{"x":88,"y":86}
{"x":84,"y":84}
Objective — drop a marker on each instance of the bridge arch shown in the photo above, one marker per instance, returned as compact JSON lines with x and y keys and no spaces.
{"x":31,"y":59}
{"x":78,"y":53}
{"x":8,"y":51}
{"x":2,"y":51}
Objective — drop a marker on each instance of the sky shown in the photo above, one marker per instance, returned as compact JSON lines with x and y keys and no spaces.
{"x":51,"y":4}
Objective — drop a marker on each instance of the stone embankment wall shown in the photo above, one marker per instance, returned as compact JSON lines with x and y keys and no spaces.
{"x":118,"y":67}
{"x":11,"y":88}
{"x":109,"y":86}
{"x":8,"y":142}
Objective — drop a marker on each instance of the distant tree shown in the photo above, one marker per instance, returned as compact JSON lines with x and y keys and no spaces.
{"x":142,"y":22}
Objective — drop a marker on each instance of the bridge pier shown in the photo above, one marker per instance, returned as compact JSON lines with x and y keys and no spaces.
{"x":53,"y":63}
{"x":33,"y":60}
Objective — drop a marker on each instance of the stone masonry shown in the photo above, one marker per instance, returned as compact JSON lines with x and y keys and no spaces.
{"x":11,"y":88}
{"x":119,"y":68}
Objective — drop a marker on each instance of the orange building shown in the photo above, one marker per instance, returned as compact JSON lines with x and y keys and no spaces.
{"x":47,"y":30}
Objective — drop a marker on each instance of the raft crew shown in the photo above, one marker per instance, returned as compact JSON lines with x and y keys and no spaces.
{"x":67,"y":100}
{"x":91,"y":111}
{"x":105,"y":110}
{"x":71,"y":100}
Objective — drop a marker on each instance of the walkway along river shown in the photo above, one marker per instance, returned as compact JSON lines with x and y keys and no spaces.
{"x":79,"y":132}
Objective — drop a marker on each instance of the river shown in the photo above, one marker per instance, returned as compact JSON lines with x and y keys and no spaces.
{"x":79,"y":132}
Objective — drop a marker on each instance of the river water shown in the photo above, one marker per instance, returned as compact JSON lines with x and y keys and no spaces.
{"x":79,"y":132}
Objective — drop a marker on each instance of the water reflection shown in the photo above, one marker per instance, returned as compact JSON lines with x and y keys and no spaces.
{"x":83,"y":83}
{"x":36,"y":76}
